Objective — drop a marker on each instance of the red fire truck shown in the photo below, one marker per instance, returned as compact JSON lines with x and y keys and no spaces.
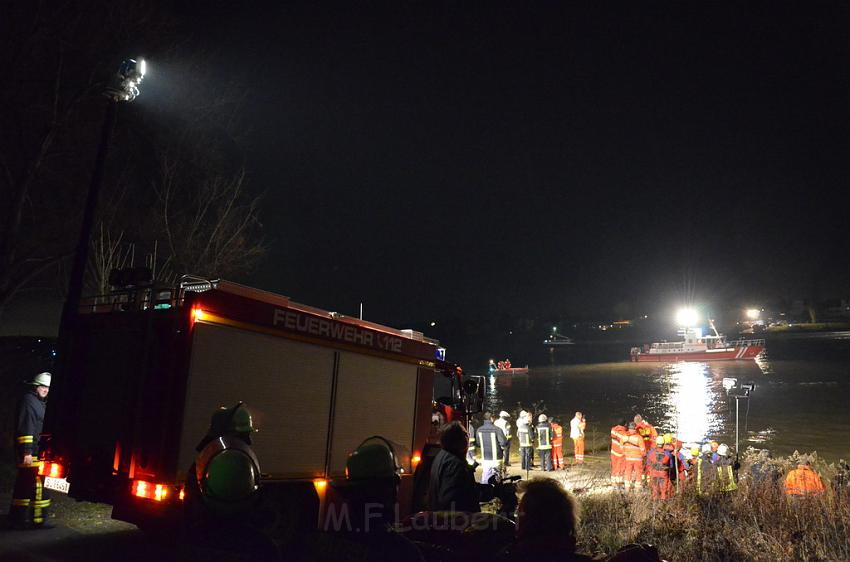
{"x":147,"y":367}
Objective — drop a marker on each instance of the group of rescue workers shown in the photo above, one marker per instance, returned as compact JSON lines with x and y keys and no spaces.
{"x":666,"y":465}
{"x":493,"y":440}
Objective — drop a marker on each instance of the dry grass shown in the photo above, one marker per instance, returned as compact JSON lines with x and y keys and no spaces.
{"x":757,"y":522}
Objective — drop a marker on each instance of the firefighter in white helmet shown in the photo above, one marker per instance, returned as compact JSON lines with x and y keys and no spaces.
{"x":504,"y":424}
{"x":29,"y":504}
{"x":544,"y":442}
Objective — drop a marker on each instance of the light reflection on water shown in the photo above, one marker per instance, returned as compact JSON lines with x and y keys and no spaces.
{"x":690,"y":402}
{"x":799,"y":402}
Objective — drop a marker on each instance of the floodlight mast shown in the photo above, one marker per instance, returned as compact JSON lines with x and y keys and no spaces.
{"x":122,"y":86}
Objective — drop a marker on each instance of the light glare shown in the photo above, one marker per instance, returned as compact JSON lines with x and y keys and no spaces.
{"x":687,"y":317}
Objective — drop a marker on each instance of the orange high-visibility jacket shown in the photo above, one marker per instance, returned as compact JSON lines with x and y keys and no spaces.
{"x":618,"y":435}
{"x":803,"y":481}
{"x":557,"y":435}
{"x":633,"y":447}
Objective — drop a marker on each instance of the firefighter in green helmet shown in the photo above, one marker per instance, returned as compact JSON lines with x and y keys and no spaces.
{"x":361,"y":528}
{"x":225,"y":477}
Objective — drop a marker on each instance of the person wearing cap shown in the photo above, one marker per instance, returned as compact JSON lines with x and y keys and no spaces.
{"x":577,"y":426}
{"x":544,"y":442}
{"x":504,"y":424}
{"x":557,"y":445}
{"x":29,"y":502}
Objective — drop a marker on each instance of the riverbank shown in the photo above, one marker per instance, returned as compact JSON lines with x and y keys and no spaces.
{"x":756,"y":522}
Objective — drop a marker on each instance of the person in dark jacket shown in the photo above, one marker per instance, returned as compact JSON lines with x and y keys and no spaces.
{"x":452,"y":486}
{"x":493,"y":443}
{"x":29,"y":504}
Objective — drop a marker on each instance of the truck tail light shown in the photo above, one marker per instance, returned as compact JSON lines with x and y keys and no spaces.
{"x":51,"y":469}
{"x":153,"y":491}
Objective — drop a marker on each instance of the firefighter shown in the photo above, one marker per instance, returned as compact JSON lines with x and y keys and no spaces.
{"x":523,"y":433}
{"x":557,"y":445}
{"x":618,"y":467}
{"x":544,"y":442}
{"x":370,"y":493}
{"x":577,"y":426}
{"x":504,"y":424}
{"x":658,"y":461}
{"x":706,"y":473}
{"x":492,"y":442}
{"x":803,"y":481}
{"x":725,"y":469}
{"x":223,"y":482}
{"x":29,"y":502}
{"x":678,"y":463}
{"x":634,"y":451}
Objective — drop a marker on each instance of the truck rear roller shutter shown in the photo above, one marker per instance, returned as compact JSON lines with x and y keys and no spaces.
{"x":374,"y":397}
{"x":286,"y":384}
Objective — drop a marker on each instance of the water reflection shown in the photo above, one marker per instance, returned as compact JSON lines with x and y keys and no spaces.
{"x":690,"y":401}
{"x":764,"y":363}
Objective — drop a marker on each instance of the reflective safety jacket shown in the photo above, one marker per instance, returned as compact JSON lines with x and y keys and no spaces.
{"x":659,"y":463}
{"x":492,"y":441}
{"x":544,"y":436}
{"x":618,"y":435}
{"x":725,"y":475}
{"x":29,"y":419}
{"x":633,"y":447}
{"x":557,"y":435}
{"x":524,"y":435}
{"x":803,"y":481}
{"x":706,"y":473}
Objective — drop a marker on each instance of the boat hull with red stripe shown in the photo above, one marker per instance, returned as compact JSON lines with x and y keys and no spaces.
{"x":729,"y":354}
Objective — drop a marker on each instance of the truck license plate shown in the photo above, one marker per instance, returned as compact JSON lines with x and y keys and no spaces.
{"x":58,"y":484}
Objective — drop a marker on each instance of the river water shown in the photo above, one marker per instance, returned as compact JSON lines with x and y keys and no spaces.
{"x":801,"y":399}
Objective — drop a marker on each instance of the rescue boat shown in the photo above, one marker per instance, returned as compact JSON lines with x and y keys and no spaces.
{"x":697,"y":347}
{"x":511,"y":371}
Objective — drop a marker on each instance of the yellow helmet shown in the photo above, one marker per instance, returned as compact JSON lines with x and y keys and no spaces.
{"x":695,"y":451}
{"x":668,"y":438}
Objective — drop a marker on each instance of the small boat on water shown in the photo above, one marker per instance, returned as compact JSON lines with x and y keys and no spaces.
{"x":697,"y":347}
{"x":557,"y":340}
{"x":505,"y":368}
{"x":510,"y":371}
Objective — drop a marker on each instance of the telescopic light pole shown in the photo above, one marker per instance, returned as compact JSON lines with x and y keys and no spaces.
{"x":123,"y":86}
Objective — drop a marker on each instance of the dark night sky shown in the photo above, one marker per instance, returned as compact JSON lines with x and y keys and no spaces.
{"x":436,"y":159}
{"x":439,"y":158}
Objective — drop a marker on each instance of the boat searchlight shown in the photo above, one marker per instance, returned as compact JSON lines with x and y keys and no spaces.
{"x":687,"y":317}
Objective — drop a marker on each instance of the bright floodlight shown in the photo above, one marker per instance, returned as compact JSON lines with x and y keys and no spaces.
{"x":753,"y":313}
{"x":124,"y":85}
{"x":686,"y":317}
{"x":729,"y":383}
